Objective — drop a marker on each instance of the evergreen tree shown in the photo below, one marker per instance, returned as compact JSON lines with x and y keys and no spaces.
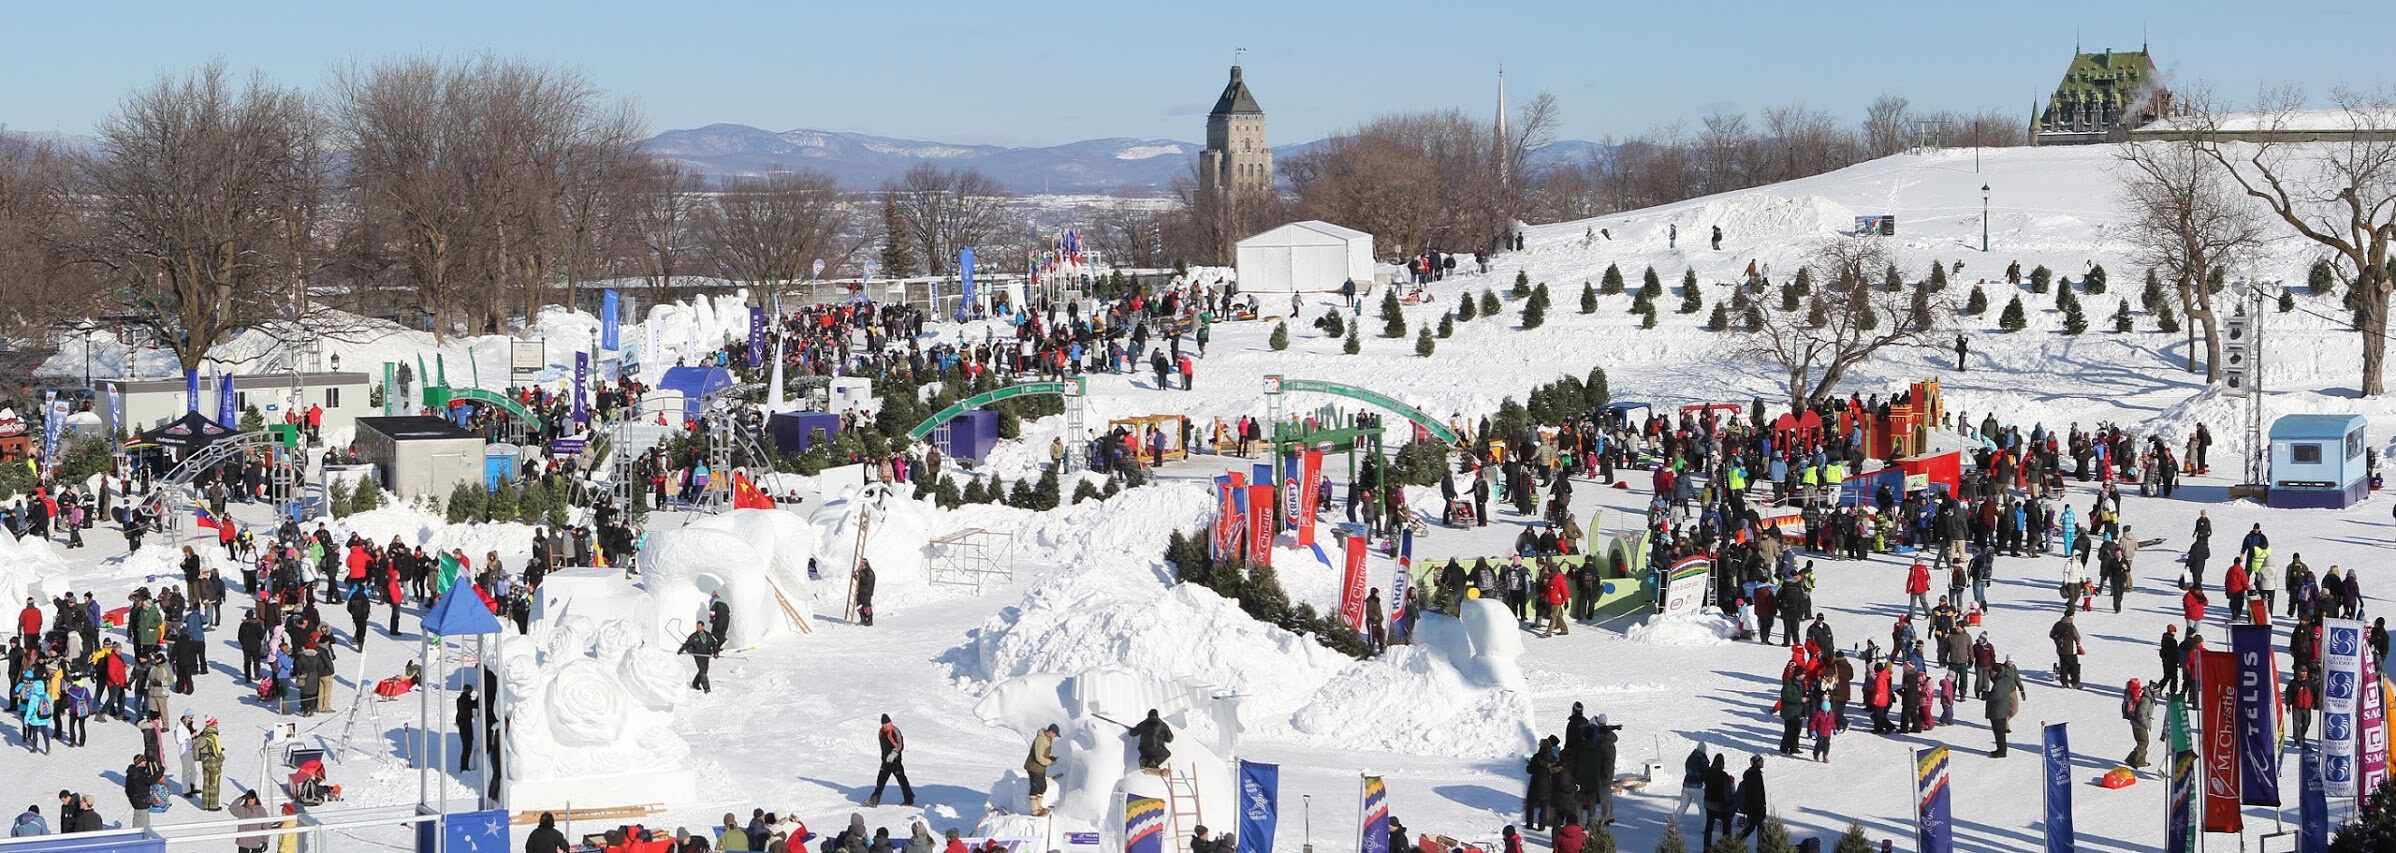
{"x":2013,"y":273}
{"x":1262,"y":596}
{"x":502,"y":505}
{"x":1891,"y":281}
{"x":2063,"y":295}
{"x":336,"y":500}
{"x":1672,"y":842}
{"x":1854,"y":841}
{"x":1522,"y":285}
{"x":1640,"y":305}
{"x":1789,"y":295}
{"x":2373,"y":828}
{"x":1594,"y":392}
{"x":1753,"y":319}
{"x":2287,"y":301}
{"x":2073,"y":321}
{"x":1774,"y":837}
{"x":1804,"y":281}
{"x":1489,"y":302}
{"x":1817,"y":314}
{"x":2321,"y":278}
{"x":1333,"y":323}
{"x":1044,"y":491}
{"x":974,"y":493}
{"x":1540,"y":295}
{"x":2012,"y":319}
{"x":1611,"y":283}
{"x":1647,"y":319}
{"x":1719,"y":320}
{"x":1281,"y":336}
{"x":1020,"y":496}
{"x":945,"y":494}
{"x":2040,"y":278}
{"x":2164,"y":321}
{"x":1423,"y":345}
{"x":1689,"y":279}
{"x":2096,"y":280}
{"x":1393,"y":318}
{"x":2121,"y":315}
{"x":2218,"y":279}
{"x":1976,"y":304}
{"x":1533,"y":313}
{"x":1866,"y":318}
{"x":1588,"y":298}
{"x":1726,"y":843}
{"x":897,"y":261}
{"x":1466,"y":308}
{"x":367,"y":497}
{"x":1919,"y":308}
{"x":1082,"y":491}
{"x":2152,"y":294}
{"x":1692,"y":299}
{"x":1447,"y":324}
{"x":1938,"y":276}
{"x":1650,"y":286}
{"x":1351,"y":345}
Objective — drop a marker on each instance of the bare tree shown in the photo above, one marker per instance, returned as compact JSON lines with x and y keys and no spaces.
{"x":1845,"y":322}
{"x":2192,"y":223}
{"x":195,"y":185}
{"x":38,"y":230}
{"x":769,"y":231}
{"x":945,"y":210}
{"x":2340,"y":194}
{"x":1887,"y":125}
{"x":665,"y":198}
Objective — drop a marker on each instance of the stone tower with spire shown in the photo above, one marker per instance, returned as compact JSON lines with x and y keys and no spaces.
{"x":1236,"y":160}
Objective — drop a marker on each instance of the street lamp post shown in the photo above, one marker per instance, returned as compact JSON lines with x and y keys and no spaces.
{"x":1984,"y":218}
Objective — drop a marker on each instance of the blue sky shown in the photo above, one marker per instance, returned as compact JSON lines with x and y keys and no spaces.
{"x":1049,"y":72}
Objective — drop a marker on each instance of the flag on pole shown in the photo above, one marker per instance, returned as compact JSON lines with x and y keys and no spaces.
{"x":449,"y":573}
{"x":202,"y":518}
{"x":2258,"y":715}
{"x":2179,"y":804}
{"x":2341,"y":705}
{"x":2312,"y":807}
{"x":746,"y":495}
{"x":2219,"y":682}
{"x":1934,"y":829}
{"x":2058,"y":750}
{"x":1260,"y":806}
{"x":1375,"y":825}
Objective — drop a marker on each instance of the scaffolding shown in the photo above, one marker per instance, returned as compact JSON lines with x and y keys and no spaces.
{"x":974,"y":557}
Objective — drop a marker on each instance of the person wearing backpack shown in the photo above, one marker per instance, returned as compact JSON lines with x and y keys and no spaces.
{"x":2138,"y":707}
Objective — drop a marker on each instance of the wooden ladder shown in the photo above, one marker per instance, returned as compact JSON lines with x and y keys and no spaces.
{"x":1181,"y":805}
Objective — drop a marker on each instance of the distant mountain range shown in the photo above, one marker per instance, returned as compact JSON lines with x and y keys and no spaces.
{"x":863,"y":161}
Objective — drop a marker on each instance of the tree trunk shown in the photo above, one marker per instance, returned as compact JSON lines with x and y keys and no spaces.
{"x":2212,"y":348}
{"x":2372,"y":321}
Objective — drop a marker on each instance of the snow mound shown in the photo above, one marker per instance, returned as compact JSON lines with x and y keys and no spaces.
{"x":26,"y":565}
{"x":1695,"y":630}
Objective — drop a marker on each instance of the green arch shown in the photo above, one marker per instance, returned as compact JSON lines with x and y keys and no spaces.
{"x":1278,"y":385}
{"x":504,"y":402}
{"x":1025,"y":389}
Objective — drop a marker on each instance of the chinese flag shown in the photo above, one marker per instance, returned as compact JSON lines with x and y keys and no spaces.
{"x":745,"y":494}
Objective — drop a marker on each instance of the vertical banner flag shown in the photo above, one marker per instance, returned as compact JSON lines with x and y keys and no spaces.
{"x":1260,"y":806}
{"x":1405,"y":579}
{"x":2058,"y":750}
{"x":191,"y":390}
{"x":1231,"y":490}
{"x":756,"y":336}
{"x":1934,"y":831}
{"x":1375,"y":825}
{"x":54,"y":420}
{"x":610,"y":322}
{"x":225,"y":415}
{"x":2258,"y":715}
{"x":2219,"y":682}
{"x":1291,"y":493}
{"x":1260,"y":525}
{"x":964,"y":281}
{"x":2341,"y":703}
{"x":1310,"y":493}
{"x":390,"y":388}
{"x":582,"y":388}
{"x":1143,"y":824}
{"x":653,"y":345}
{"x":2179,"y":805}
{"x":2312,"y":807}
{"x":1352,"y":582}
{"x":2371,"y":727}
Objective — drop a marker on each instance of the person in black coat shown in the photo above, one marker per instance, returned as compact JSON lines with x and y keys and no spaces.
{"x":1751,"y":796}
{"x":469,"y":721}
{"x":141,"y":777}
{"x":702,"y":648}
{"x":545,"y":838}
{"x":1153,"y":735}
{"x":719,"y":618}
{"x":1535,"y":793}
{"x":1719,"y":802}
{"x":359,"y":611}
{"x":252,"y":635}
{"x":865,"y":593}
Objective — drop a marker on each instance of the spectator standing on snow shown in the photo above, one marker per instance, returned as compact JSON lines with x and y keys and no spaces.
{"x":2004,"y":701}
{"x":893,"y":746}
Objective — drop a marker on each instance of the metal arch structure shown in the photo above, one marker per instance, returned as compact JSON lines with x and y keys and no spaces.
{"x":1276,"y":385}
{"x":173,"y":492}
{"x":1071,"y":389}
{"x":500,"y":401}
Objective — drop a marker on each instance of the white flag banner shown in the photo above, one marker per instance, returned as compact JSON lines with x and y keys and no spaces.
{"x":2342,"y":683}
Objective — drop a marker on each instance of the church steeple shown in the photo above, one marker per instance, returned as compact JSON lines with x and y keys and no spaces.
{"x":1236,"y":159}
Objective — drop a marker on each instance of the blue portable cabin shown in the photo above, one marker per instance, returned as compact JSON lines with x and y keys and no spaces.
{"x":694,"y":384}
{"x":2319,"y":461}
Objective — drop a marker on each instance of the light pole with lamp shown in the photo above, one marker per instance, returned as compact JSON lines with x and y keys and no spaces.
{"x":1984,"y":218}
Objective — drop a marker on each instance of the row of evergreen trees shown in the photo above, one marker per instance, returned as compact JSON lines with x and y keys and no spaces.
{"x":533,"y":502}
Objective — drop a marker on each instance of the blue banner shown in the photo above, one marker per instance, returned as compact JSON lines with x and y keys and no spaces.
{"x":2312,"y":807}
{"x":54,"y":421}
{"x":756,"y":336}
{"x":2258,"y":715}
{"x":465,"y":832}
{"x":2058,"y":788}
{"x":1143,"y":824}
{"x":611,"y":310}
{"x":582,"y":384}
{"x":2179,"y":805}
{"x":1260,"y":806}
{"x":191,"y":389}
{"x":964,"y":281}
{"x":1934,"y":829}
{"x":225,"y":415}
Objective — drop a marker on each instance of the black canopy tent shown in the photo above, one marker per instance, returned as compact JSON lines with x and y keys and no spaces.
{"x":186,"y":435}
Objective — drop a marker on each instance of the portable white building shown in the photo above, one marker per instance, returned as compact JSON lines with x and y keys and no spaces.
{"x":1305,"y":256}
{"x":417,"y":455}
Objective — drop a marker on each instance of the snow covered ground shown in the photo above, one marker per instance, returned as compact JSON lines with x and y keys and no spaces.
{"x":790,"y":727}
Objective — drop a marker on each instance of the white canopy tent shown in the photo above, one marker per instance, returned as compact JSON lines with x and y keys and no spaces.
{"x":1305,"y":256}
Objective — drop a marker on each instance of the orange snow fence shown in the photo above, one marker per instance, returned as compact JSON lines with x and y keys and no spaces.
{"x":2118,"y":778}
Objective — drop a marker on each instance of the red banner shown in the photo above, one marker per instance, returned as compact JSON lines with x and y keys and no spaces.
{"x":1228,"y":516}
{"x":1352,"y":586}
{"x":2218,"y":682}
{"x":1260,"y":525}
{"x":1310,"y":493}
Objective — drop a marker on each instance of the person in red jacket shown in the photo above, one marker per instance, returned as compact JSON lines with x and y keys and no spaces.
{"x":1557,"y":596}
{"x":1917,"y":588}
{"x":2234,"y":586}
{"x":29,"y":623}
{"x":2192,"y":607}
{"x":1572,"y":838}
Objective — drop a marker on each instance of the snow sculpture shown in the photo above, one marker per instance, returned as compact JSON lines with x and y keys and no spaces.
{"x":1097,"y":760}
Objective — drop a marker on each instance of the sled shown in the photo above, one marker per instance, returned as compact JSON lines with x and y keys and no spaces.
{"x":1460,"y":512}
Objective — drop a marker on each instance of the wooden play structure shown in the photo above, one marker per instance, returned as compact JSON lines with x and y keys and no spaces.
{"x":1175,"y":428}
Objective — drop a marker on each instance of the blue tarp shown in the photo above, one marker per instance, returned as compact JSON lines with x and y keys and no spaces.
{"x":460,"y":613}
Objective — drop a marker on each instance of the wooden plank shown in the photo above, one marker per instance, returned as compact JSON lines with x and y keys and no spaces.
{"x":590,"y":814}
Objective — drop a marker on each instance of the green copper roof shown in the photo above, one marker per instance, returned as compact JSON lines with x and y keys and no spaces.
{"x":2108,"y":73}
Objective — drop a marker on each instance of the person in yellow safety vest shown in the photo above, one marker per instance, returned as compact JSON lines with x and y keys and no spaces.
{"x":1834,"y":473}
{"x":1811,"y":476}
{"x":1738,"y":479}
